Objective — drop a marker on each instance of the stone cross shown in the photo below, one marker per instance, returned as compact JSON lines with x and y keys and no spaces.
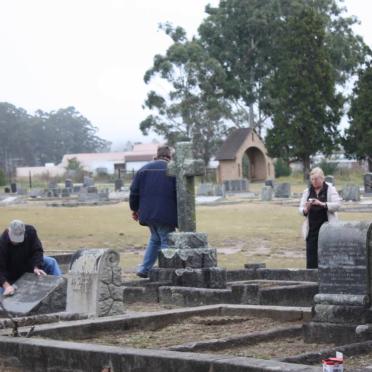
{"x":184,"y":167}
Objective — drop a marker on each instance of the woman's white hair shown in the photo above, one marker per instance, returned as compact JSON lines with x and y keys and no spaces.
{"x":317,"y":172}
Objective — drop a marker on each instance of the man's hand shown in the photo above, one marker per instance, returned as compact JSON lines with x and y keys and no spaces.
{"x":135,"y":216}
{"x":8,"y":289}
{"x":39,"y":272}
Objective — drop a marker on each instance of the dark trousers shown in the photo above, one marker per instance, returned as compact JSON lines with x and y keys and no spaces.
{"x":312,"y":250}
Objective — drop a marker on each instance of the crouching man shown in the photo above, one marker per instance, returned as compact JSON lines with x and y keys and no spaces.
{"x":22,"y":252}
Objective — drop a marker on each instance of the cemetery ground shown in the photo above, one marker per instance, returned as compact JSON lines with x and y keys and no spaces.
{"x":247,"y":232}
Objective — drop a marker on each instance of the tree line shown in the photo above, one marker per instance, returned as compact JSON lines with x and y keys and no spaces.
{"x":279,"y":66}
{"x":32,"y":140}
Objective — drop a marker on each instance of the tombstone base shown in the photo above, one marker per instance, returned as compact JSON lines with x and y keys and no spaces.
{"x":337,"y":333}
{"x":193,"y":258}
{"x":214,"y":277}
{"x":187,"y":240}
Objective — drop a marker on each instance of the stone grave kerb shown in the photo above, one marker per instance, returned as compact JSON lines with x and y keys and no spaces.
{"x":185,"y":167}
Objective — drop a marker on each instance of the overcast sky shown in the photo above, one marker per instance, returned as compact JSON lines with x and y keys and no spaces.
{"x":92,"y":54}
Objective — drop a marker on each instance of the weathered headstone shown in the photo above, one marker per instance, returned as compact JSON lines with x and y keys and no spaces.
{"x":351,"y":193}
{"x":6,"y":190}
{"x":13,"y":187}
{"x":188,"y":260}
{"x":184,"y":167}
{"x":240,"y":185}
{"x":36,"y":193}
{"x":88,"y":181}
{"x":367,"y":183}
{"x":68,"y":183}
{"x":118,"y":184}
{"x":210,"y":189}
{"x":92,"y":190}
{"x":330,"y":179}
{"x":270,"y":183}
{"x":37,"y":295}
{"x":94,"y":283}
{"x":76,"y":189}
{"x":344,"y":297}
{"x":267,"y":193}
{"x":282,"y":190}
{"x":65,"y":192}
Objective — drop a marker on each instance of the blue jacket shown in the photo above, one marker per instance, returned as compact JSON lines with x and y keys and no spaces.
{"x":153,"y":195}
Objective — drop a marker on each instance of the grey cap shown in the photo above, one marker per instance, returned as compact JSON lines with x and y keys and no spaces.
{"x":16,"y":231}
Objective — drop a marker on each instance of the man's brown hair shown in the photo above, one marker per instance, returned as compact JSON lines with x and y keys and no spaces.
{"x":164,"y":152}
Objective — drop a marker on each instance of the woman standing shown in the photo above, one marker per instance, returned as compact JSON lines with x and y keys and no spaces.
{"x":319,"y":204}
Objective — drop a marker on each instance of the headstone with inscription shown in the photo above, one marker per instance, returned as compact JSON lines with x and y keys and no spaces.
{"x":351,"y":193}
{"x":367,"y":183}
{"x":94,"y":283}
{"x":282,"y":190}
{"x":188,"y":261}
{"x":37,"y":295}
{"x":344,"y":297}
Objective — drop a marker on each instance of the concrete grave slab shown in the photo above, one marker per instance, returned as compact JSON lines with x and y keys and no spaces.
{"x":37,"y":294}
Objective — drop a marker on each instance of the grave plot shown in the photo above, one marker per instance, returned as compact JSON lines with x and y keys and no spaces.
{"x":156,"y":335}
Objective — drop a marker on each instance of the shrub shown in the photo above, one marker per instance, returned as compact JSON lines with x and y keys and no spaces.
{"x":282,"y":169}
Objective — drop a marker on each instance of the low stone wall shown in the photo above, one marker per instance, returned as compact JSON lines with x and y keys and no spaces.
{"x":39,"y":355}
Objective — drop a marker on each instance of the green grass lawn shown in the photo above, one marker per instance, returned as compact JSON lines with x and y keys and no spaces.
{"x":243,"y":233}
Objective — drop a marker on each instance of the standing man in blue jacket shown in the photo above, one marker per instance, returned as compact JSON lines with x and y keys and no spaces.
{"x":153,"y":202}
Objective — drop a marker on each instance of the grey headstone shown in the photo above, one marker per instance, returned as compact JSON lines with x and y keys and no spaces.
{"x":92,"y":190}
{"x":13,"y":187}
{"x":205,"y":189}
{"x":94,"y":283}
{"x":330,"y":179}
{"x":88,"y":181}
{"x":65,"y":192}
{"x":367,"y":183}
{"x":270,"y":183}
{"x":36,"y":193}
{"x":35,"y":294}
{"x":267,"y":193}
{"x":52,"y":184}
{"x":344,"y":297}
{"x":282,"y":190}
{"x":68,"y":183}
{"x":343,"y":258}
{"x":240,"y":185}
{"x":118,"y":184}
{"x":351,"y":193}
{"x":76,"y":189}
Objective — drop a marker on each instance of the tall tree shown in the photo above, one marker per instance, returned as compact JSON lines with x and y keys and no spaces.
{"x":244,"y":37}
{"x":305,"y":107}
{"x":358,"y":137}
{"x":192,"y":109}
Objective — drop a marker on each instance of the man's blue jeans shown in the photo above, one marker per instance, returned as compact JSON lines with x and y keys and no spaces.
{"x":50,"y":266}
{"x":158,"y":240}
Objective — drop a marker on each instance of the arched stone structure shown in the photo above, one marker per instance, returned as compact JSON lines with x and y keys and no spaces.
{"x":244,"y":155}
